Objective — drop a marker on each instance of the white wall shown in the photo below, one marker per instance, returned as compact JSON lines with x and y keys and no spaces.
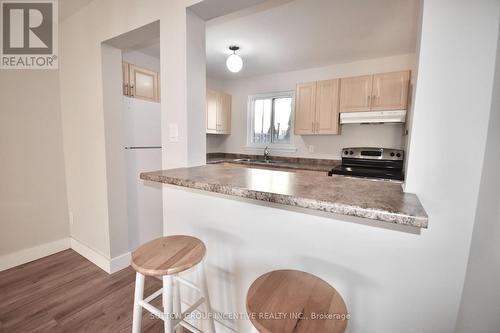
{"x":33,"y":205}
{"x":325,"y":146}
{"x":173,"y":82}
{"x":480,"y":307}
{"x":215,"y":143}
{"x":452,"y":106}
{"x":115,"y":140}
{"x":196,"y":89}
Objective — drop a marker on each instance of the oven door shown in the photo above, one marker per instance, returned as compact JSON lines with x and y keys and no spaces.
{"x":378,"y":173}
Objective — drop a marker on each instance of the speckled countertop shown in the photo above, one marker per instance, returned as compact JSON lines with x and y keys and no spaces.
{"x":372,"y":199}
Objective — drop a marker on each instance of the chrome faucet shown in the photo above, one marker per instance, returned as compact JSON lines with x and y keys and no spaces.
{"x":266,"y":153}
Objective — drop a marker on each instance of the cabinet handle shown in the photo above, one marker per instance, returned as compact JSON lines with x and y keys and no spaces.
{"x":373,"y":99}
{"x":131,"y":91}
{"x":125,"y":89}
{"x":368,"y":98}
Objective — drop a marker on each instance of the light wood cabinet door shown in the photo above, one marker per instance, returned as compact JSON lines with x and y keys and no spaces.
{"x":218,"y":112}
{"x":224,"y":114}
{"x":305,"y":108}
{"x":143,"y":83}
{"x":390,"y":91}
{"x":212,"y":101}
{"x":125,"y":78}
{"x":327,"y":107}
{"x":355,"y":93}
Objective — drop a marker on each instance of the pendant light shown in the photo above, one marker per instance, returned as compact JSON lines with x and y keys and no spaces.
{"x":234,"y":62}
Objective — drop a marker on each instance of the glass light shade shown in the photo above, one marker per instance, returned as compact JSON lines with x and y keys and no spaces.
{"x":234,"y":63}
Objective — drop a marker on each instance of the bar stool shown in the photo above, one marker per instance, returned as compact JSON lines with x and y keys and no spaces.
{"x":286,"y":301}
{"x":165,"y":258}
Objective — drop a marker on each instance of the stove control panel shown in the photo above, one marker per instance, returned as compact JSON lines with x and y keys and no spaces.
{"x":373,"y":153}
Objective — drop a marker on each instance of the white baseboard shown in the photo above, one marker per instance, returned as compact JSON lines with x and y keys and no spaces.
{"x":118,"y":263}
{"x":21,"y":257}
{"x":108,"y":265}
{"x":91,"y":255}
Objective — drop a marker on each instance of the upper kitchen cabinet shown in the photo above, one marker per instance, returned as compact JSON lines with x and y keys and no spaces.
{"x":305,"y":108}
{"x":125,"y":78}
{"x":140,"y":83}
{"x":379,"y":92}
{"x":317,"y":108}
{"x":224,"y":113}
{"x":327,"y":107}
{"x":390,"y":91}
{"x":218,"y":109}
{"x":212,"y":112}
{"x":355,"y":93}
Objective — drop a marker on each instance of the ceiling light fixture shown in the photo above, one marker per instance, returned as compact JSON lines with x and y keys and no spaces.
{"x":234,"y":62}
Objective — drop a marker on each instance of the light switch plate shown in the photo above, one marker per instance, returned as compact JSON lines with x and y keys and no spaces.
{"x":311,"y":148}
{"x":173,"y":133}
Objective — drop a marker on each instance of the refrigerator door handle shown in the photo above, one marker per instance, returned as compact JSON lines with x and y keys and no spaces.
{"x":143,"y":147}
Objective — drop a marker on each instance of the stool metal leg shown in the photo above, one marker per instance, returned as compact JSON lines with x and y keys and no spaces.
{"x":167,"y":299}
{"x":204,"y":294}
{"x":138,"y":296}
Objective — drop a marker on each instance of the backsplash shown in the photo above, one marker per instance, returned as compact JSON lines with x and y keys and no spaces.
{"x":323,"y":146}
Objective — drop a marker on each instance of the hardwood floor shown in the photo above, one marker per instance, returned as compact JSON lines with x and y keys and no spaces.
{"x":65,"y":292}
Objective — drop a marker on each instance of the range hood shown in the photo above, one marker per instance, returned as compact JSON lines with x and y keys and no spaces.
{"x":373,"y":117}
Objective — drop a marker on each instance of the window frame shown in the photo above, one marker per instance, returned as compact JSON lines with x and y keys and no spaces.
{"x":250,"y":121}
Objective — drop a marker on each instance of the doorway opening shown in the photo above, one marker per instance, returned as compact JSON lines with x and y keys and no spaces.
{"x":132,"y":109}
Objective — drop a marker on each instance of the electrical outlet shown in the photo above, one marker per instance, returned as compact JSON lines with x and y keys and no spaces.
{"x":71,"y":218}
{"x":311,"y":148}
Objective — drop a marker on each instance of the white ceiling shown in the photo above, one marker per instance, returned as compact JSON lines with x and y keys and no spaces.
{"x":152,"y":50}
{"x":311,"y":33}
{"x":209,"y":9}
{"x":145,"y":39}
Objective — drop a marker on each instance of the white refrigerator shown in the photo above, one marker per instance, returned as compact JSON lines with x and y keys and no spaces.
{"x":143,"y":153}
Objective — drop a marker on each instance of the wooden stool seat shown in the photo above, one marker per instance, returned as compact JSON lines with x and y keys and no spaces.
{"x":286,"y":301}
{"x":168,"y":255}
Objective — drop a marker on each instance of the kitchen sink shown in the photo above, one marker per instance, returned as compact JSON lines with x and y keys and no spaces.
{"x":247,"y":160}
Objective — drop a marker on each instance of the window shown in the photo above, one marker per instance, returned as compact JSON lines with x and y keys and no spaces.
{"x":270,"y":121}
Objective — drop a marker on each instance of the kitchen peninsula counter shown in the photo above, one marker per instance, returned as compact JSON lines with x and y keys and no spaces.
{"x":372,"y":199}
